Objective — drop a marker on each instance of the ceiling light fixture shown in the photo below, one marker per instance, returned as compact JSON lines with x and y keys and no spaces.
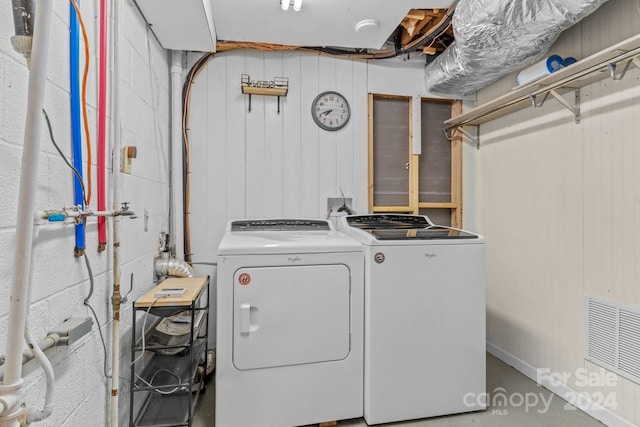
{"x":284,"y":4}
{"x":297,"y":4}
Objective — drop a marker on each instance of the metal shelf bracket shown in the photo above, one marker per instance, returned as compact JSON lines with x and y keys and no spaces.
{"x":575,"y":108}
{"x":612,"y":69}
{"x":449,"y":133}
{"x":538,"y":104}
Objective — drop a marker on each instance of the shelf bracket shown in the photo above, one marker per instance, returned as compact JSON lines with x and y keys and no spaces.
{"x":449,"y":133}
{"x":539,"y":104}
{"x":470,"y":137}
{"x":575,"y":108}
{"x":612,"y":69}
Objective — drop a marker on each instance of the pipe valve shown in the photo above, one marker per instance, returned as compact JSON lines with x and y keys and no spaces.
{"x":125,"y":211}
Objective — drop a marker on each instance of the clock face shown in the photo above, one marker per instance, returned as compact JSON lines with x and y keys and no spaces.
{"x":330,"y":110}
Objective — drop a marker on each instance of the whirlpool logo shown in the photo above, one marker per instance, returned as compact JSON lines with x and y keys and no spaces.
{"x":430,"y":255}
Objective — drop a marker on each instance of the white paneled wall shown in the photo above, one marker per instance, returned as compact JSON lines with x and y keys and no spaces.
{"x":60,"y":281}
{"x":258,"y":163}
{"x":559,"y":204}
{"x":264,"y":164}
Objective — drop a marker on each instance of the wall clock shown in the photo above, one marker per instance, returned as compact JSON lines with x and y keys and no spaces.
{"x":330,"y":110}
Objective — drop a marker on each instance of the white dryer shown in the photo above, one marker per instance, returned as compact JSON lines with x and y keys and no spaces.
{"x":289,"y":324}
{"x":424,"y":317}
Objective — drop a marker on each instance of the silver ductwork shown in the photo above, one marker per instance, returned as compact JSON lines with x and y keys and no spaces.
{"x":172,"y":267}
{"x":496,"y":37}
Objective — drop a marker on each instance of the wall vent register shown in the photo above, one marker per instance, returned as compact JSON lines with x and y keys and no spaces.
{"x":612,"y":337}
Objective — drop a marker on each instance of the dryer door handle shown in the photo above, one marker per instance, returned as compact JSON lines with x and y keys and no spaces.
{"x":245,"y":318}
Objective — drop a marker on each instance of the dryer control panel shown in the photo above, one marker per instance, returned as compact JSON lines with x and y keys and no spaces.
{"x":280,"y":225}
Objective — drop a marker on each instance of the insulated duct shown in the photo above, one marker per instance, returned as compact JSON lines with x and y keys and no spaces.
{"x":496,"y":37}
{"x":172,"y":267}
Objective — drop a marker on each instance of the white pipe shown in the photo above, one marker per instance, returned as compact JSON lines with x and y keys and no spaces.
{"x":26,"y":209}
{"x":50,"y":341}
{"x":34,"y":415}
{"x":177,"y":215}
{"x":8,"y":402}
{"x":115,"y":167}
{"x":52,"y":215}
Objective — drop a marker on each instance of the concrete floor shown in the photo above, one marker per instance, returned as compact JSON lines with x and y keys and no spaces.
{"x":544,"y":409}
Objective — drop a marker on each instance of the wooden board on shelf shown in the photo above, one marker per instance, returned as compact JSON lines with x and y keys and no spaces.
{"x":272,"y":91}
{"x":193,"y":286}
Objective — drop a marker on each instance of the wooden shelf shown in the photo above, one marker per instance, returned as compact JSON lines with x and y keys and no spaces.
{"x":611,"y":62}
{"x":273,"y":91}
{"x":194,"y":287}
{"x":279,"y":86}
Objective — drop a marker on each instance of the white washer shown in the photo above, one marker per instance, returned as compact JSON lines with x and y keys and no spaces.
{"x":424,"y":317}
{"x":290,"y":324}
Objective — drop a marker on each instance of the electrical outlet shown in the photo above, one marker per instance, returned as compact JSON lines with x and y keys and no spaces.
{"x":129,"y":153}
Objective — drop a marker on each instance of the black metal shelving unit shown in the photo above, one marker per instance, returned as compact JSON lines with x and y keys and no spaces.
{"x":168,"y":366}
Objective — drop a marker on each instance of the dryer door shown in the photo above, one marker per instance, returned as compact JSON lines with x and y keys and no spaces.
{"x":290,"y":315}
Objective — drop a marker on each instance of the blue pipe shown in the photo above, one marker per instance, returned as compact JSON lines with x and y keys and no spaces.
{"x":76,"y":123}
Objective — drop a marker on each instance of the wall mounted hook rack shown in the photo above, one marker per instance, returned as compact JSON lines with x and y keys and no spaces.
{"x":279,"y":86}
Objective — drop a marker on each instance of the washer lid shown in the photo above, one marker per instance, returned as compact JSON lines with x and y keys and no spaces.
{"x":386,"y":221}
{"x":284,"y":236}
{"x":434,"y":232}
{"x":409,"y":229}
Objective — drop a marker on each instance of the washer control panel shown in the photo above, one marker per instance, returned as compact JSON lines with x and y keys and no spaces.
{"x":385,"y":221}
{"x":280,"y":225}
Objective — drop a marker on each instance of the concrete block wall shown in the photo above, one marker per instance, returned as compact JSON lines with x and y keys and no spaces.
{"x":61,"y":282}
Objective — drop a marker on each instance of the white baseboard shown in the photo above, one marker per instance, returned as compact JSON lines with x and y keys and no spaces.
{"x":595,"y":410}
